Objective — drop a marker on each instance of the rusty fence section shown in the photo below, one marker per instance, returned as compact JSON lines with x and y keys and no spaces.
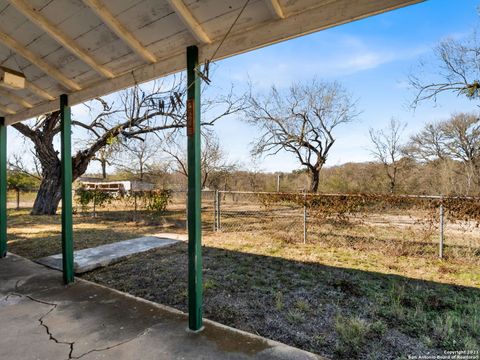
{"x":396,"y":228}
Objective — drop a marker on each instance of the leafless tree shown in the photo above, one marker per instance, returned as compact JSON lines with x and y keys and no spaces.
{"x":428,"y":144}
{"x":138,"y":155}
{"x":17,"y":163}
{"x":456,"y":69}
{"x":253,"y":170}
{"x":302,"y":121}
{"x":145,"y":109}
{"x":387,"y":149}
{"x":106,"y":156}
{"x":213,"y":156}
{"x":455,"y":139}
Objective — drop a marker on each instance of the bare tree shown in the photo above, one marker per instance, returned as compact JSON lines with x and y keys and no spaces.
{"x":301,"y":121}
{"x":213,"y":156}
{"x":253,"y":170}
{"x":141,"y":110}
{"x":17,"y":163}
{"x":106,"y":156}
{"x":387,"y":149}
{"x":428,"y":144}
{"x":457,"y":70}
{"x":138,"y":155}
{"x":455,"y":139}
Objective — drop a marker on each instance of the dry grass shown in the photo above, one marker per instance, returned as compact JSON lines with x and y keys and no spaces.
{"x":333,"y":311}
{"x":347,"y":251}
{"x":38,"y":236}
{"x":348,"y":293}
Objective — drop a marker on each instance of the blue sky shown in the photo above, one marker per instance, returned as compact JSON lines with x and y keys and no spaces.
{"x":372,"y":58}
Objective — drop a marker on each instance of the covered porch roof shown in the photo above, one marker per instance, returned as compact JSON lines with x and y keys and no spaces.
{"x":91,"y":48}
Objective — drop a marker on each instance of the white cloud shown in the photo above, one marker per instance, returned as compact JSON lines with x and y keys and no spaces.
{"x":348,"y":55}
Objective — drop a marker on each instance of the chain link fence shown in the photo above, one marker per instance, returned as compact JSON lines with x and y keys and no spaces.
{"x":399,"y":225}
{"x":237,"y":211}
{"x":20,"y":198}
{"x":134,"y":206}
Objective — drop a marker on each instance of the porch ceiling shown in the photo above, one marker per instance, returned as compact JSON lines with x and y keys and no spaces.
{"x":91,"y":48}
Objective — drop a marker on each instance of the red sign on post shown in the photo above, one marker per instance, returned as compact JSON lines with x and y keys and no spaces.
{"x":190,"y":117}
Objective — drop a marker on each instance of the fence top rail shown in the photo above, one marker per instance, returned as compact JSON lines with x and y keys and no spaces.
{"x":428,"y":197}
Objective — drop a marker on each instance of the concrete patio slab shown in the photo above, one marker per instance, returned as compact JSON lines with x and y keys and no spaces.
{"x":93,"y":258}
{"x":43,"y":319}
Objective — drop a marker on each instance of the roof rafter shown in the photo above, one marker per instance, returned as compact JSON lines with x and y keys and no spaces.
{"x":6,"y":110}
{"x":15,"y":98}
{"x":38,"y":91}
{"x":38,"y":62}
{"x":190,"y":22}
{"x":60,"y":37}
{"x":118,"y":28}
{"x":276,"y":8}
{"x":324,"y":14}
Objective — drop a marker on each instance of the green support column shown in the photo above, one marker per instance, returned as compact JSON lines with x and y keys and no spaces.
{"x":3,"y":188}
{"x":67,"y":223}
{"x":194,"y":194}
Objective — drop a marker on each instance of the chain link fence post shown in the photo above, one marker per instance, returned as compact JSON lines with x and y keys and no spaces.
{"x":95,"y":204}
{"x":440,"y":245}
{"x":135,"y":208}
{"x":215,"y":210}
{"x":304,"y":217}
{"x":186,"y":211}
{"x":18,"y":198}
{"x":218,"y":210}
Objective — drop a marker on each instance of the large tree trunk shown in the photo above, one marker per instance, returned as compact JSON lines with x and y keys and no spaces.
{"x":392,"y":185}
{"x":314,"y":171}
{"x":50,"y":191}
{"x":314,"y":180}
{"x":103,"y":162}
{"x":48,"y":196}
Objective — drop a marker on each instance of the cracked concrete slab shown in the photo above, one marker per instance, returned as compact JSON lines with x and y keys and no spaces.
{"x":93,"y":258}
{"x":21,"y":333}
{"x":43,"y":319}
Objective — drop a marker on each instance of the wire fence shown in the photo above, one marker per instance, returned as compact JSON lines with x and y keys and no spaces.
{"x":237,"y":211}
{"x":445,"y":227}
{"x":401,"y":225}
{"x":20,"y":198}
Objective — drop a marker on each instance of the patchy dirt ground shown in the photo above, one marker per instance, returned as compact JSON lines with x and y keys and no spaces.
{"x":340,"y":313}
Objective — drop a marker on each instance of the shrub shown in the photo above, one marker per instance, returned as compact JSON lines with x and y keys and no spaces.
{"x":97,"y":197}
{"x":157,"y":200}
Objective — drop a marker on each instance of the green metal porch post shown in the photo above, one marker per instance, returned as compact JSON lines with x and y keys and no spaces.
{"x":67,"y":223}
{"x":3,"y":188}
{"x":194,"y":193}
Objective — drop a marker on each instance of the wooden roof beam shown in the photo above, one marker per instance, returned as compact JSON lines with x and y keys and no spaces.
{"x":6,"y":110}
{"x":38,"y":91}
{"x":312,"y":19}
{"x":190,"y":22}
{"x":60,"y":37}
{"x":38,"y":62}
{"x":118,"y":28}
{"x":15,"y":98}
{"x":276,"y":8}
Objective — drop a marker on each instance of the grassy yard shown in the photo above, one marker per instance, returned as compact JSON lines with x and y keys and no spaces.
{"x":330,"y":296}
{"x":35,"y":237}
